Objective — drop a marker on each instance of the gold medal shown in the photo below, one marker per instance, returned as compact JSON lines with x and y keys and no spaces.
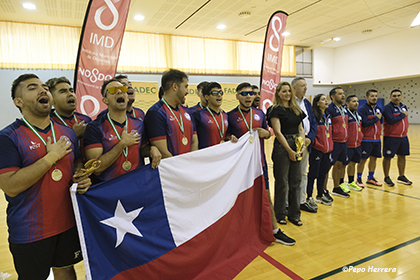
{"x":251,"y":139}
{"x":344,"y":125}
{"x":56,"y":175}
{"x":184,"y":141}
{"x":222,"y":141}
{"x":126,"y":165}
{"x":328,"y":135}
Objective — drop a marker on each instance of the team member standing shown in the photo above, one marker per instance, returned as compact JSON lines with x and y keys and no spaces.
{"x":339,"y":120}
{"x":285,"y":117}
{"x":115,"y":138}
{"x":212,"y":122}
{"x":169,"y":126}
{"x":319,"y":157}
{"x":309,"y":126}
{"x":395,"y":137}
{"x":257,"y":97}
{"x":203,"y":101}
{"x":242,"y":120}
{"x":136,"y":113}
{"x":354,"y":140}
{"x":65,"y":103}
{"x":37,"y":162}
{"x":371,"y":144}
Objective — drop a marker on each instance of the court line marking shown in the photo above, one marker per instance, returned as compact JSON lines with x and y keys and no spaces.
{"x":369,"y":258}
{"x":404,"y":195}
{"x":280,"y":267}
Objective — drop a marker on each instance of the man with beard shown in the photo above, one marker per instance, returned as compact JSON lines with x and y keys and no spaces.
{"x":257,"y":97}
{"x":37,"y":162}
{"x":169,"y":126}
{"x":395,"y":137}
{"x":65,"y":103}
{"x":339,"y":122}
{"x":136,"y":113}
{"x":243,"y":119}
{"x":310,"y":126}
{"x":115,"y":138}
{"x":203,"y":102}
{"x":371,"y":144}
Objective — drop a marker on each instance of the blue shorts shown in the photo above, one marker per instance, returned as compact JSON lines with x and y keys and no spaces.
{"x":354,"y":154}
{"x":396,"y":145}
{"x":371,"y":149}
{"x":339,"y":152}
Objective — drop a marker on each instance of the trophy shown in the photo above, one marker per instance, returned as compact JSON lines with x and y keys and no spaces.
{"x":299,"y":145}
{"x":84,"y":173}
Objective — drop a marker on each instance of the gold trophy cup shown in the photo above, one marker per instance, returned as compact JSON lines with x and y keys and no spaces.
{"x":299,"y":145}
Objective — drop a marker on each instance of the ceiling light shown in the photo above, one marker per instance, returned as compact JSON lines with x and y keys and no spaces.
{"x":336,"y":39}
{"x":285,"y":33}
{"x":416,"y":21}
{"x":29,"y":6}
{"x":221,"y":26}
{"x":138,"y":17}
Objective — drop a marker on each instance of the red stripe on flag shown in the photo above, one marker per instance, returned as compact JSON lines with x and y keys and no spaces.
{"x":223,"y":249}
{"x":281,"y":267}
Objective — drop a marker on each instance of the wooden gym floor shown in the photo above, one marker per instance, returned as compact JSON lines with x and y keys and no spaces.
{"x":373,"y":229}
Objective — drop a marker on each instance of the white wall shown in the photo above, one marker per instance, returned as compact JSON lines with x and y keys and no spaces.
{"x":394,"y":56}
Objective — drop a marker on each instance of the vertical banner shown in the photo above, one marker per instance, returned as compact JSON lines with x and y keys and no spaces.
{"x":272,"y":56}
{"x":99,"y":49}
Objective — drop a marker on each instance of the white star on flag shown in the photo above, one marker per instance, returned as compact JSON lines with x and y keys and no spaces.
{"x":123,"y":222}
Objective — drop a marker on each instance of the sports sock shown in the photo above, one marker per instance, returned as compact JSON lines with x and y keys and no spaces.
{"x":275,"y":230}
{"x":359,"y":175}
{"x":370,"y":176}
{"x":341,"y":181}
{"x":351,"y":179}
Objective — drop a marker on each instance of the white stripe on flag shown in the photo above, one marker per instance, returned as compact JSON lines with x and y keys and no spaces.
{"x":207,"y":184}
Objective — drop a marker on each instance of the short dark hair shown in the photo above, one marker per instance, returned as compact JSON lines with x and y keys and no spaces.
{"x":395,"y":90}
{"x":120,"y":77}
{"x":53,"y":82}
{"x":255,"y":87}
{"x":202,"y":85}
{"x":172,"y":76}
{"x":209,"y":86}
{"x":334,"y":91}
{"x":20,"y":79}
{"x":106,"y":82}
{"x":369,"y":91}
{"x":242,"y":85}
{"x":350,"y":97}
{"x":161,"y":92}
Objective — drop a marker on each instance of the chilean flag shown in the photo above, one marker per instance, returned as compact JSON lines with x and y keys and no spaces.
{"x":200,"y":215}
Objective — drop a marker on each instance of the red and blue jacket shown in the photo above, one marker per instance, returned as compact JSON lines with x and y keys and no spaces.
{"x":339,"y":125}
{"x":371,"y":124}
{"x":354,"y":130}
{"x":323,"y":141}
{"x":396,"y":121}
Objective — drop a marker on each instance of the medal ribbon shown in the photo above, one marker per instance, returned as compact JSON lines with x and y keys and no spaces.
{"x":222,"y":132}
{"x":39,"y":135}
{"x":134,"y":113}
{"x":181,"y":124}
{"x":326,"y":124}
{"x":343,"y":115}
{"x":125,"y":151}
{"x":356,"y":118}
{"x":61,"y":119}
{"x":246,"y":123}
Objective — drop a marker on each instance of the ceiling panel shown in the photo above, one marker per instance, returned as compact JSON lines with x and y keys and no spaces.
{"x":310,"y":21}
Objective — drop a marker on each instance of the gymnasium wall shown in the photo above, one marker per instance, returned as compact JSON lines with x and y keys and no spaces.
{"x":146,"y":86}
{"x":410,"y":88}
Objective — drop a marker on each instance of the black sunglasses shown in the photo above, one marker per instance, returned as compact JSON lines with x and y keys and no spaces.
{"x":245,"y":93}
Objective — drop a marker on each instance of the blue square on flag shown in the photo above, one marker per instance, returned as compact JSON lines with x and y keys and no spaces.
{"x":132,"y":227}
